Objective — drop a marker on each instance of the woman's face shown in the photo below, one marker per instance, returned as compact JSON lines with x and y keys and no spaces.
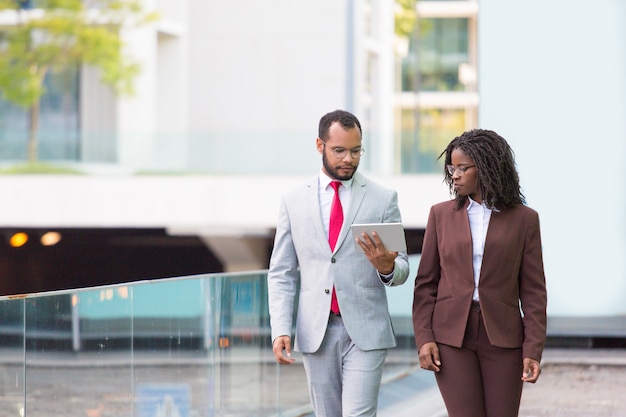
{"x":465,"y":176}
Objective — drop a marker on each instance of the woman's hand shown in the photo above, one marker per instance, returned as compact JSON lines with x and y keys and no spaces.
{"x":429,"y":357}
{"x":532,"y":369}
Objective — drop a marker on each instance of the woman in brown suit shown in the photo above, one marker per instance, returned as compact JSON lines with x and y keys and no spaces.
{"x":479,"y":308}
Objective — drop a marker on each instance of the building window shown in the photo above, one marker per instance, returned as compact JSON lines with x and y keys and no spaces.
{"x":58,"y":132}
{"x":438,"y":99}
{"x":425,"y":134}
{"x":436,"y":55}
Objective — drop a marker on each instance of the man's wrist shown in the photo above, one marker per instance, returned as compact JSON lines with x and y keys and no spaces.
{"x":386,"y":277}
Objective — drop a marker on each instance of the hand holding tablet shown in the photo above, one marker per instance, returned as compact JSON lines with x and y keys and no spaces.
{"x":391,"y":234}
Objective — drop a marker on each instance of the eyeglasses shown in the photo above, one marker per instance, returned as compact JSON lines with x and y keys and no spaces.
{"x":341,"y":153}
{"x":460,"y":171}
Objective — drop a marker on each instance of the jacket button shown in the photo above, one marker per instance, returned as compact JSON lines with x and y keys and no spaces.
{"x":332,"y":260}
{"x":326,"y":290}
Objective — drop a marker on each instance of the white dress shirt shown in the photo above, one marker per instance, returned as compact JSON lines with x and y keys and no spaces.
{"x":479,"y":216}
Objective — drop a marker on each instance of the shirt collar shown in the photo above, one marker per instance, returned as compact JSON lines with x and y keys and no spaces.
{"x":325,"y":180}
{"x":472,"y":203}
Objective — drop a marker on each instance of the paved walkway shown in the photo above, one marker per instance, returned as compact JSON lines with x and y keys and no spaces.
{"x":574,"y":383}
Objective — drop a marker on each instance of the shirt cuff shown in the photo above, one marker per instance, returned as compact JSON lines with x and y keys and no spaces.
{"x":386,"y":278}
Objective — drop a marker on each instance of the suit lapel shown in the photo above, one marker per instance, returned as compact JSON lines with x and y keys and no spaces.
{"x":498,"y":228}
{"x":315,"y":213}
{"x":463,"y":233}
{"x":356,"y":198}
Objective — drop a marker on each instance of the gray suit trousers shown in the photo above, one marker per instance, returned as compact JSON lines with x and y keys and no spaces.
{"x":343,"y":379}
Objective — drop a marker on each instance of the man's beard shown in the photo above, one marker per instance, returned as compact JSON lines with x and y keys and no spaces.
{"x":333,"y":172}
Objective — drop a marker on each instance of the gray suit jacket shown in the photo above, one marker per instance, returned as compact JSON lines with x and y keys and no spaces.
{"x":301,"y":252}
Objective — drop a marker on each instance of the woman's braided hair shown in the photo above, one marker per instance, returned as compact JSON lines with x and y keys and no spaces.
{"x":498,"y":180}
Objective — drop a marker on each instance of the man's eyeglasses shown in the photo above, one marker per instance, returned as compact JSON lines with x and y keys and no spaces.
{"x":341,"y":153}
{"x":460,"y":170}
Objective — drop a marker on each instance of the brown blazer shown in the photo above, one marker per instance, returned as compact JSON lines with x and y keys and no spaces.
{"x":511,"y":281}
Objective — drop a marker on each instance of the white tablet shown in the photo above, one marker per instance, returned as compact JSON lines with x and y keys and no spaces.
{"x":391,"y":234}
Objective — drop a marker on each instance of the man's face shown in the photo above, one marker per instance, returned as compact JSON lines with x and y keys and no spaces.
{"x":340,"y":141}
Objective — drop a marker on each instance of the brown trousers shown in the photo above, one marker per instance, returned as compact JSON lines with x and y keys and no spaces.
{"x":478,"y":379}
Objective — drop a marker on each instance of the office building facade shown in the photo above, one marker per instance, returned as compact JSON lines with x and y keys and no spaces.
{"x":230,"y":95}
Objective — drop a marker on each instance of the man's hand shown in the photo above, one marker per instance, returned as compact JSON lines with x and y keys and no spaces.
{"x":283,"y":343}
{"x":531,"y":371}
{"x":376,"y":253}
{"x":429,"y":357}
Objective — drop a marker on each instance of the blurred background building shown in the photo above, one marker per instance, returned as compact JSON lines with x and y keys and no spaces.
{"x":185,"y":176}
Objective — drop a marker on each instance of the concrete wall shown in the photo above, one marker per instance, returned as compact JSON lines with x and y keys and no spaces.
{"x":198,"y":205}
{"x":551,"y":81}
{"x":261,"y":75}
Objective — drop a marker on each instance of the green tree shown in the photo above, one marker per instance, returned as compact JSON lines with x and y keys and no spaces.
{"x":406,"y":17}
{"x":57,"y":34}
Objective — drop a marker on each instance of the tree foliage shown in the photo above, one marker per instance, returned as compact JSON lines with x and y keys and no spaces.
{"x":57,"y":34}
{"x":405,"y":17}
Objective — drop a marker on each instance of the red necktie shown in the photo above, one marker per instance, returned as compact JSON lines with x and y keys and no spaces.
{"x":336,"y":220}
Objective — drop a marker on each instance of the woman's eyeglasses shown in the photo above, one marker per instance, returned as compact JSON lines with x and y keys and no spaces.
{"x":460,"y":170}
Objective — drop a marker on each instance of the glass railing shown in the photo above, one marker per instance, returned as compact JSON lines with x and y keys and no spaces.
{"x":180,"y":347}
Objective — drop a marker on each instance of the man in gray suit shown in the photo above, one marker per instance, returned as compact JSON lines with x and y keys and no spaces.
{"x":343,"y":328}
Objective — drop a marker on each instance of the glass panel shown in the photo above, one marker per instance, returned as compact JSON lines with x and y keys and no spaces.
{"x":425,"y":134}
{"x":74,"y":373}
{"x":59,"y":129}
{"x":102,"y":344}
{"x":248,"y":369}
{"x":12,"y":358}
{"x":58,"y":125}
{"x":436,"y":51}
{"x":189,"y":346}
{"x":172,"y":369}
{"x":13,"y":131}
